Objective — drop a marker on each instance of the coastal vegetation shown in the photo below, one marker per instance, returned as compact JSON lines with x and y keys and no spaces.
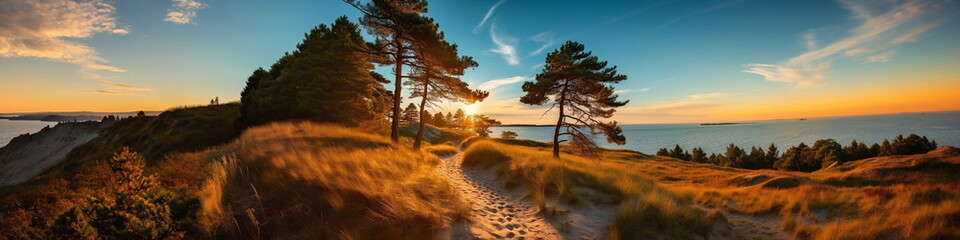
{"x":824,"y":153}
{"x":319,"y":148}
{"x":579,"y":85}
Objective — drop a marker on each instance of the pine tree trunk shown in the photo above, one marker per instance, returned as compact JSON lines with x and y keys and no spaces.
{"x":395,"y":125}
{"x":423,"y":103}
{"x":556,"y":135}
{"x":556,"y":131}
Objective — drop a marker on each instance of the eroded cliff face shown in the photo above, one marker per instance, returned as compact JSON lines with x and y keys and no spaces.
{"x":29,"y":155}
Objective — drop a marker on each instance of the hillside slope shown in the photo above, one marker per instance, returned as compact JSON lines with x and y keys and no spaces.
{"x":896,"y":197}
{"x":173,"y":131}
{"x":31,"y":154}
{"x":321,"y":181}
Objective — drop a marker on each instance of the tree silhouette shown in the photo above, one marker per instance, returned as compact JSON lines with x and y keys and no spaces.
{"x":482,"y":124}
{"x":438,"y":120}
{"x":391,"y":21}
{"x":410,"y":114}
{"x":697,"y":155}
{"x":326,"y":79}
{"x":435,"y":76}
{"x":460,"y":119}
{"x":508,"y":135}
{"x":579,"y":85}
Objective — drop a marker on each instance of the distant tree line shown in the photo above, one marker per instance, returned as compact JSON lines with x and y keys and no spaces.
{"x":457,"y":119}
{"x":824,"y":153}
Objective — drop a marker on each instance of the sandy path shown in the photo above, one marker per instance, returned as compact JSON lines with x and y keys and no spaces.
{"x":748,"y":227}
{"x":497,"y":213}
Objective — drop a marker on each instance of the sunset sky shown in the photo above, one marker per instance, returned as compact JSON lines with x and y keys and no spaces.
{"x":687,"y":61}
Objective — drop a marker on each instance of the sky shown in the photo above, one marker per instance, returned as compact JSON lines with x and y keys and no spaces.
{"x":687,"y":61}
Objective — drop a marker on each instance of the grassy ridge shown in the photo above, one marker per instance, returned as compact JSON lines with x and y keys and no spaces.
{"x":303,"y":180}
{"x":897,"y":197}
{"x":173,"y":131}
{"x":647,"y":211}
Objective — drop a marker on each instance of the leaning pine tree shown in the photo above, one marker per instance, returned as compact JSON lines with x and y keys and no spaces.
{"x":436,"y":73}
{"x":578,"y":85}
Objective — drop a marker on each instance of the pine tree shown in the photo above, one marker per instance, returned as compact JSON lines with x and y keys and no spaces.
{"x":438,"y":120}
{"x":137,"y":209}
{"x":580,"y":85}
{"x":460,"y":119}
{"x":482,"y":124}
{"x":435,"y":74}
{"x":697,"y":155}
{"x":410,"y":114}
{"x":326,"y":79}
{"x":391,"y":22}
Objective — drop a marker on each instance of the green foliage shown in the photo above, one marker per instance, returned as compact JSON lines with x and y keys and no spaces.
{"x":410,"y":115}
{"x":822,"y":154}
{"x":508,"y":135}
{"x":174,"y":131}
{"x":137,"y":208}
{"x":912,"y":144}
{"x":482,"y":124}
{"x":580,"y":87}
{"x":438,"y":120}
{"x":697,"y":155}
{"x":678,"y":153}
{"x":326,"y":79}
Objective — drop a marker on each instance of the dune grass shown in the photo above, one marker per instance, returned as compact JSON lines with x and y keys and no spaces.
{"x":646,"y":210}
{"x":442,"y":150}
{"x":314,"y":181}
{"x":898,"y":197}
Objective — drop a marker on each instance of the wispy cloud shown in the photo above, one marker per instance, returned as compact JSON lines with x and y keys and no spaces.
{"x":810,"y":40}
{"x":709,"y":95}
{"x":183,"y":11}
{"x":124,"y":86}
{"x":700,"y":12}
{"x":487,"y":16}
{"x":46,"y":29}
{"x":108,"y":92}
{"x":505,"y":46}
{"x":488,"y":85}
{"x":883,"y":57}
{"x":876,"y":33}
{"x":625,"y":16}
{"x":546,"y":39}
{"x":622,"y":91}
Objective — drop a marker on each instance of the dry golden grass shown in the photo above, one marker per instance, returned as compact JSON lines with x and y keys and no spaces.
{"x":314,"y":181}
{"x":646,"y":210}
{"x":442,"y":150}
{"x":898,"y":197}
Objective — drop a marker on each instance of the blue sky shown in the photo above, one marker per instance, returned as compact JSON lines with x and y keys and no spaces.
{"x":687,"y":61}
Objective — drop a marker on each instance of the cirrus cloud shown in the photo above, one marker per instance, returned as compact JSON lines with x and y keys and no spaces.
{"x":47,"y":28}
{"x":882,"y":28}
{"x":183,"y":11}
{"x":488,"y":85}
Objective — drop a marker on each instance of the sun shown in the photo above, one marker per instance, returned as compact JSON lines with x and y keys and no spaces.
{"x":471,"y":109}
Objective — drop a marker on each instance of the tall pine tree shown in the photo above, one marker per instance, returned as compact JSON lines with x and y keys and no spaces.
{"x":579,"y":86}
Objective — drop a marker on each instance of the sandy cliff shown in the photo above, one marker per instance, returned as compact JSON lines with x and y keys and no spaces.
{"x":32,"y":154}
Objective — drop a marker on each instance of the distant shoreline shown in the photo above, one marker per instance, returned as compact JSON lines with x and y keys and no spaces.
{"x":721,"y":124}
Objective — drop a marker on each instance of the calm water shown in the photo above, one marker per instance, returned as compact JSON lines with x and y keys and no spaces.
{"x":944,"y":127}
{"x":11,"y":129}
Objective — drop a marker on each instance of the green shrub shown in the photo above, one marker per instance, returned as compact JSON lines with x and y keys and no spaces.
{"x":137,"y":208}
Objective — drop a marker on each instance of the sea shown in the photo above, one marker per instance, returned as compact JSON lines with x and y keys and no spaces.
{"x":943,"y":127}
{"x":10,"y":129}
